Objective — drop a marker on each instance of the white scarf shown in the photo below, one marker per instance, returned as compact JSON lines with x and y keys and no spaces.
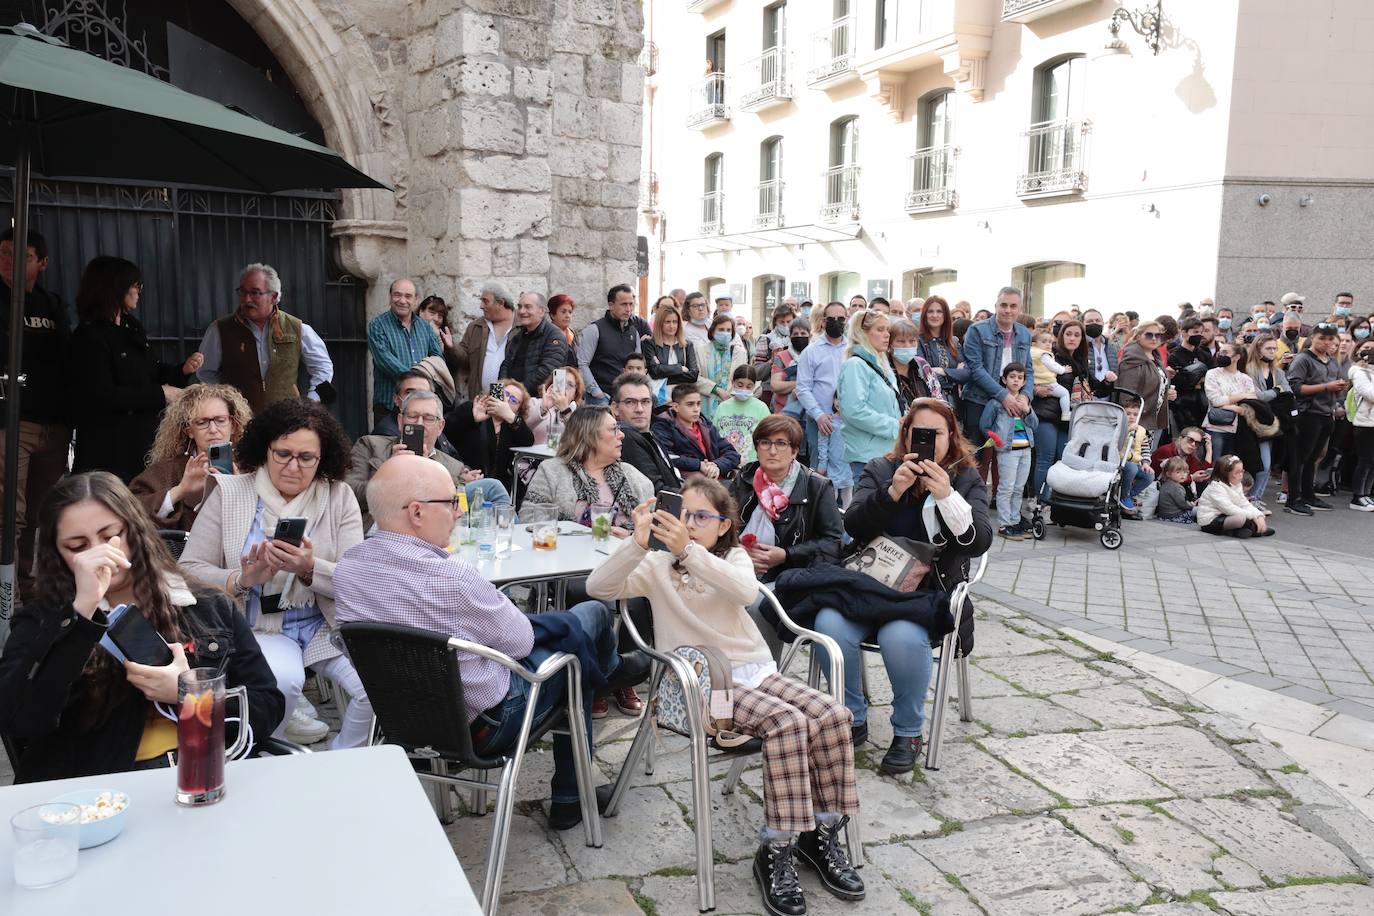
{"x":309,"y":503}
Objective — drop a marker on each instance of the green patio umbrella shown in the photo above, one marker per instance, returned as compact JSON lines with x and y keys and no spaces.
{"x":68,"y":114}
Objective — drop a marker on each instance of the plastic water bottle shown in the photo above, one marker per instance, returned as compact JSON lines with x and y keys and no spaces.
{"x":486,"y":531}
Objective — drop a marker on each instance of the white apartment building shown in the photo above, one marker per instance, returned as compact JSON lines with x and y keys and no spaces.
{"x":829,"y":147}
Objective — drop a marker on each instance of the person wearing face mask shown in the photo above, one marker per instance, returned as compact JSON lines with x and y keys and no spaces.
{"x":784,"y":368}
{"x":1290,"y":337}
{"x":777,"y":339}
{"x":1225,"y":387}
{"x":1190,"y":362}
{"x":737,"y":417}
{"x":718,"y":360}
{"x":867,"y":388}
{"x":1320,"y":393}
{"x":1359,"y":330}
{"x":1272,"y":389}
{"x":915,"y":377}
{"x":1362,"y":419}
{"x":1226,"y":323}
{"x":818,"y":369}
{"x":1344,"y":305}
{"x":1102,"y":354}
{"x":696,"y":319}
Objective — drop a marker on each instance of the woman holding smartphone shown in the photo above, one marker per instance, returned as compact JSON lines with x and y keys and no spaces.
{"x":293,"y":456}
{"x":941,"y":501}
{"x":172,"y":486}
{"x":73,"y":709}
{"x":484,"y":430}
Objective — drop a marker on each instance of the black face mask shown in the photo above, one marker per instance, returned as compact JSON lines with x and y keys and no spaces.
{"x":834,"y":327}
{"x":1195,"y":340}
{"x":1266,"y":359}
{"x":1223,"y":361}
{"x":1093,"y":330}
{"x":799,"y":343}
{"x":1291,"y":333}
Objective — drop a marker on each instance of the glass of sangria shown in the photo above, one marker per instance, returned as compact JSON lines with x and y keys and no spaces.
{"x":201,"y":693}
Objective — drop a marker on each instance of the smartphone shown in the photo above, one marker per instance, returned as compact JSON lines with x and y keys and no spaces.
{"x":413,"y":438}
{"x":922,"y":443}
{"x":669,"y":501}
{"x":222,"y":457}
{"x":290,"y":530}
{"x":137,"y":639}
{"x":496,"y":392}
{"x":560,"y":380}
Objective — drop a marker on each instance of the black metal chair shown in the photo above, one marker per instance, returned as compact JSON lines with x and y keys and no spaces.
{"x":412,"y":677}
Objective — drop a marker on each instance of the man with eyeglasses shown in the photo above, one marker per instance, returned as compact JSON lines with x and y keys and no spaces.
{"x":267,"y":354}
{"x":1316,"y":378}
{"x":404,"y":575}
{"x":420,"y":408}
{"x":632,"y":402}
{"x":1295,"y":304}
{"x":397,"y":343}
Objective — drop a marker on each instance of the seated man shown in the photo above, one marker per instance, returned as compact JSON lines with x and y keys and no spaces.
{"x":420,"y":407}
{"x":408,"y":381}
{"x":632,"y":402}
{"x":403,"y":575}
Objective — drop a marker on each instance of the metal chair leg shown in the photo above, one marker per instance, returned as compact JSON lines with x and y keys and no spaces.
{"x":937,"y":712}
{"x":477,"y":798}
{"x":500,"y":837}
{"x":439,"y":793}
{"x":965,"y":694}
{"x":582,"y":758}
{"x":856,"y":845}
{"x":732,"y":778}
{"x":701,"y":813}
{"x":643,"y":741}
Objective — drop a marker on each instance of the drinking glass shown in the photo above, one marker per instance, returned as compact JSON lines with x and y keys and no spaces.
{"x":505,"y":528}
{"x":543,"y":519}
{"x":201,"y":693}
{"x":46,"y":840}
{"x":602,"y":516}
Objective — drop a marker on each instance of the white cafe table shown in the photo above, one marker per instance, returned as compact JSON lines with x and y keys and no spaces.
{"x":336,"y":832}
{"x":576,"y":555}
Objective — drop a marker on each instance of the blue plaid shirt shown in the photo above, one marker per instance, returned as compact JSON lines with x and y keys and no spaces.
{"x":395,"y":350}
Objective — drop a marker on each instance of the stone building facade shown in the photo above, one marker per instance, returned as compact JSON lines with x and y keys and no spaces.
{"x":510,"y":130}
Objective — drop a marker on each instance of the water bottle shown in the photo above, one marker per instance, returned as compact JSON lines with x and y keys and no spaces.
{"x":486,"y":531}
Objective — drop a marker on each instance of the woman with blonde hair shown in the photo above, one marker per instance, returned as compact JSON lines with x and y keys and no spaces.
{"x":867,"y":391}
{"x":172,"y":486}
{"x":669,"y":357}
{"x":1141,"y":371}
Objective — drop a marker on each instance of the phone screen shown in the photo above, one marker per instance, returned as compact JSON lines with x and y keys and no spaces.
{"x":413,"y":438}
{"x":669,"y":501}
{"x":290,"y":530}
{"x":137,"y":639}
{"x":922,"y":443}
{"x":222,"y":457}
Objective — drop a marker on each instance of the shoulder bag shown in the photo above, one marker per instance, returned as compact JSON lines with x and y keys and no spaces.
{"x":713,"y":691}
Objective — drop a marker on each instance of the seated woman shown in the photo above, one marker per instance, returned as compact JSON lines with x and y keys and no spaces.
{"x":77,"y":710}
{"x":694,"y":445}
{"x":547,"y":415}
{"x":700,"y":589}
{"x":293,"y":455}
{"x":941,"y":502}
{"x":484,"y":430}
{"x":173,"y":484}
{"x":1223,"y":507}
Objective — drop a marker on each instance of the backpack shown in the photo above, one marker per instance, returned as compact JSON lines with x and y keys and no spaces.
{"x":713,"y":691}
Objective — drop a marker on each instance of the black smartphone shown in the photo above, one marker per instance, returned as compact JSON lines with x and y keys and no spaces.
{"x":496,"y":392}
{"x":669,"y":501}
{"x":222,"y":457}
{"x":137,"y":639}
{"x":922,"y":443}
{"x":290,"y":530}
{"x":413,"y":438}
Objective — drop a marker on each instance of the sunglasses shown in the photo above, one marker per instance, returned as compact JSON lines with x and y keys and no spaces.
{"x":1151,"y":335}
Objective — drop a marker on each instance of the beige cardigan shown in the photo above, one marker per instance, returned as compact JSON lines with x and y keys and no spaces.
{"x":553,"y":483}
{"x":216,"y":543}
{"x":711,"y":609}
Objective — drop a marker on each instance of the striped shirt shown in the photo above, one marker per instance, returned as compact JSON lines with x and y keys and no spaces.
{"x":395,"y":350}
{"x":400,"y":579}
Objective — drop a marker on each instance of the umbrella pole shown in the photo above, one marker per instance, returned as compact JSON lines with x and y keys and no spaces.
{"x":8,"y":579}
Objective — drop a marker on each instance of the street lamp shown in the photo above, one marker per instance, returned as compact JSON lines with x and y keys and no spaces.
{"x":1147,"y":22}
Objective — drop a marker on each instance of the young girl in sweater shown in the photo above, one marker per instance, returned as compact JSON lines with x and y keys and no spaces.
{"x":1175,"y":503}
{"x":700,"y":589}
{"x":1224,"y":508}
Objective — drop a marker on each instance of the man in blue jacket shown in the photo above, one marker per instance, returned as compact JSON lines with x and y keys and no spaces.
{"x":988,"y":346}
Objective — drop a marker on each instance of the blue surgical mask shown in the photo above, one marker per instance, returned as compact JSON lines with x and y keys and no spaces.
{"x":806,"y":313}
{"x":904,"y":355}
{"x":1224,"y":323}
{"x":1261,"y":325}
{"x":722,"y":338}
{"x":1361,"y":333}
{"x":1343,"y":311}
{"x":741,"y":394}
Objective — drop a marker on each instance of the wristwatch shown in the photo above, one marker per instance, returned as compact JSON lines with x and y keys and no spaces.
{"x":686,"y":551}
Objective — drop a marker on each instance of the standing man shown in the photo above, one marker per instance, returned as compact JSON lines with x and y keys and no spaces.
{"x":818,"y":372}
{"x":1190,"y":360}
{"x":988,"y":346}
{"x":397,"y":343}
{"x":483,"y":347}
{"x":696,"y":323}
{"x":857,"y":302}
{"x":536,"y":347}
{"x":879,"y":304}
{"x":263,"y":351}
{"x":604,"y":344}
{"x":1102,"y":354}
{"x":1344,"y":305}
{"x":44,"y":412}
{"x":679,"y":296}
{"x":1293,"y":303}
{"x":1226,"y":317}
{"x":1316,"y":379}
{"x":632,"y":402}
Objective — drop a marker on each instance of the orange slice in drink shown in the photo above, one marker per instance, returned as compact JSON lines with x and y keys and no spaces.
{"x":188,"y":706}
{"x":205,"y":705}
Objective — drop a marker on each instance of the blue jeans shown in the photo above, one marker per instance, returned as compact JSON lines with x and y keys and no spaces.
{"x":487,"y":490}
{"x":1221,"y":443}
{"x":835,"y":467}
{"x":1050,"y":439}
{"x":595,"y":619}
{"x":906,"y":655}
{"x":1262,"y":476}
{"x":1013,"y":467}
{"x":1134,"y":479}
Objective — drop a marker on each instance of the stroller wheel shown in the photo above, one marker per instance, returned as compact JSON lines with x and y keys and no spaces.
{"x":1038,"y":529}
{"x":1110,"y":538}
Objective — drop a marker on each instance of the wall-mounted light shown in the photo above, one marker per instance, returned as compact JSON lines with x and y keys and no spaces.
{"x":1147,"y":22}
{"x":1151,"y":209}
{"x":1305,"y":200}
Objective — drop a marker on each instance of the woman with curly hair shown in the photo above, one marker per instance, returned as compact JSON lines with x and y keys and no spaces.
{"x":75,"y":708}
{"x":293,"y":457}
{"x":173,"y":485}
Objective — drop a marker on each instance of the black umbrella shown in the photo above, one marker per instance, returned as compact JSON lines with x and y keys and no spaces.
{"x":73,"y":115}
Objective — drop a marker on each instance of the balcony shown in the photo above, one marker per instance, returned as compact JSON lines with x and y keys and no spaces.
{"x":770,"y":205}
{"x":841,"y":194}
{"x":1055,"y":154}
{"x":701,"y":6}
{"x":833,"y":54}
{"x":932,"y":180}
{"x":648,"y":58}
{"x":706,"y":103}
{"x":1031,"y":10}
{"x":648,"y":191}
{"x":769,"y":81}
{"x":953,"y":35}
{"x":712,"y":213}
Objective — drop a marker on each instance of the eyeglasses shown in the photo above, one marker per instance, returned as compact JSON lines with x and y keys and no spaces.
{"x":701,"y":518}
{"x":203,"y":423}
{"x":253,"y":293}
{"x":427,"y":419}
{"x":772,"y":445}
{"x":283,"y":457}
{"x":454,"y":502}
{"x":636,"y":402}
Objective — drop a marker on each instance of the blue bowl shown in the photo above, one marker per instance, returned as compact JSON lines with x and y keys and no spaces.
{"x":96,"y":833}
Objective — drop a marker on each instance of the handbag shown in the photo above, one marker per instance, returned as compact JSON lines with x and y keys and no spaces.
{"x":713,"y":691}
{"x":1221,"y":416}
{"x":899,"y":563}
{"x":1079,"y":392}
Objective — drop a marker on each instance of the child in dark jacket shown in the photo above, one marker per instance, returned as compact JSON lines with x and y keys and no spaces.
{"x":1175,"y":504}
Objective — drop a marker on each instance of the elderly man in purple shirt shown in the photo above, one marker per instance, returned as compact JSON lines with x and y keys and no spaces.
{"x":404,"y":575}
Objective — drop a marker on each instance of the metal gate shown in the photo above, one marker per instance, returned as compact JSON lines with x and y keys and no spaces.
{"x":191,"y":244}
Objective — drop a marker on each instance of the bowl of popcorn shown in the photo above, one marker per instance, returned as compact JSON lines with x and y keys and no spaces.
{"x":102,"y":814}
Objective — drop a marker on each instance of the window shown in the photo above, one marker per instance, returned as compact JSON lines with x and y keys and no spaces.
{"x":932,"y":165}
{"x":769,"y":291}
{"x":712,"y":194}
{"x":1056,"y":142}
{"x":842,"y":178}
{"x":769,"y":214}
{"x":715,"y":51}
{"x":1059,"y":87}
{"x":841,"y":286}
{"x":935,"y":125}
{"x":884,"y":22}
{"x":1050,"y":286}
{"x":774,"y":26}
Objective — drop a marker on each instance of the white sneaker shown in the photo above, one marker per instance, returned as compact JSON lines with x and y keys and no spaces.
{"x":1283,"y":498}
{"x":304,"y":729}
{"x":1362,"y":504}
{"x":305,"y":707}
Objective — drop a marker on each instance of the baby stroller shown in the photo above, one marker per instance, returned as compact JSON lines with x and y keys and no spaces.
{"x":1085,"y":484}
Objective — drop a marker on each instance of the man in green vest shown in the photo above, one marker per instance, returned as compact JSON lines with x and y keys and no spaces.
{"x":261,"y":350}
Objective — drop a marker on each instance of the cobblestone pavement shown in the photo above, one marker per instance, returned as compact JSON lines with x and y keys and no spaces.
{"x":1271,"y":613}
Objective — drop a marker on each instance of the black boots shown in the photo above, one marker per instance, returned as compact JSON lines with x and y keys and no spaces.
{"x":823,"y":850}
{"x":901,"y":756}
{"x":776,"y":873}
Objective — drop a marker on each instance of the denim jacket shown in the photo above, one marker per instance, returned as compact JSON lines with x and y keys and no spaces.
{"x":983,"y":357}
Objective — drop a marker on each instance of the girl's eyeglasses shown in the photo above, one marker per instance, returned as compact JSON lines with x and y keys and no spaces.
{"x":701,"y":518}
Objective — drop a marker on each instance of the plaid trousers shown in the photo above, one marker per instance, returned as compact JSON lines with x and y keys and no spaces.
{"x":808,"y":760}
